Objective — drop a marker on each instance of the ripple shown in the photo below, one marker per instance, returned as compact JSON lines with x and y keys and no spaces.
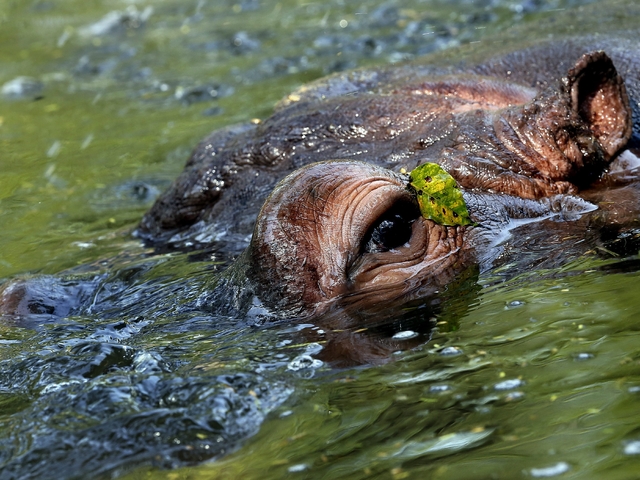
{"x":304,"y":362}
{"x":439,"y":388}
{"x":405,"y":335}
{"x":451,"y":351}
{"x":632,"y":447}
{"x":584,"y":356}
{"x":301,"y":467}
{"x":508,"y":384}
{"x":557,"y":469}
{"x":449,"y":443}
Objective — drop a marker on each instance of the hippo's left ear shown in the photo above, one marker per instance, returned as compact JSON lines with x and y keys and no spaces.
{"x":599,"y":97}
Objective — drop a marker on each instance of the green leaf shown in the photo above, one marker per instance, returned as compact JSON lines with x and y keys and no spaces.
{"x":439,"y":197}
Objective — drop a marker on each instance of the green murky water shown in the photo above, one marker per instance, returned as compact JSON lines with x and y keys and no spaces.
{"x":532,"y":378}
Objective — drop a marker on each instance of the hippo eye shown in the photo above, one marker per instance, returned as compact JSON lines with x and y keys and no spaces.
{"x":392,"y":229}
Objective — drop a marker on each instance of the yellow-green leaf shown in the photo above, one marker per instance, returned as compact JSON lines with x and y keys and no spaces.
{"x":439,"y":197}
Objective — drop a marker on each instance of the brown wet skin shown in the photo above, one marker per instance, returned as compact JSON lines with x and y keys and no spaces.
{"x":346,"y":228}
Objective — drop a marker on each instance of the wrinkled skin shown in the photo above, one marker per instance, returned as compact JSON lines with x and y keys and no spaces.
{"x":542,"y":143}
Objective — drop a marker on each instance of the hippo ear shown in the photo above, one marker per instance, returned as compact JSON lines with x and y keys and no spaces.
{"x":599,"y":97}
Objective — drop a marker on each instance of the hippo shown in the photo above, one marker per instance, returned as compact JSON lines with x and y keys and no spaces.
{"x":313,"y":202}
{"x":320,"y":187}
{"x":328,"y":248}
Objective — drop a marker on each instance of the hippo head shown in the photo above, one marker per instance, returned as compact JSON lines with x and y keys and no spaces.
{"x":347,"y":228}
{"x":352,"y":231}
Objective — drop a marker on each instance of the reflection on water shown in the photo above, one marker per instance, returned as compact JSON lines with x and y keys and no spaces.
{"x":505,"y":377}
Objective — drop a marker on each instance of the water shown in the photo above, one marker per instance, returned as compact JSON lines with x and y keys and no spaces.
{"x":534,"y":377}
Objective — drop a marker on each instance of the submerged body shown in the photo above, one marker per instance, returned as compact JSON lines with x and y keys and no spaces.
{"x":523,"y":135}
{"x":152,"y":359}
{"x":320,"y":187}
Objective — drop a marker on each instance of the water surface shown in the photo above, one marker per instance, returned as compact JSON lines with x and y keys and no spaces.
{"x":532,"y":377}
